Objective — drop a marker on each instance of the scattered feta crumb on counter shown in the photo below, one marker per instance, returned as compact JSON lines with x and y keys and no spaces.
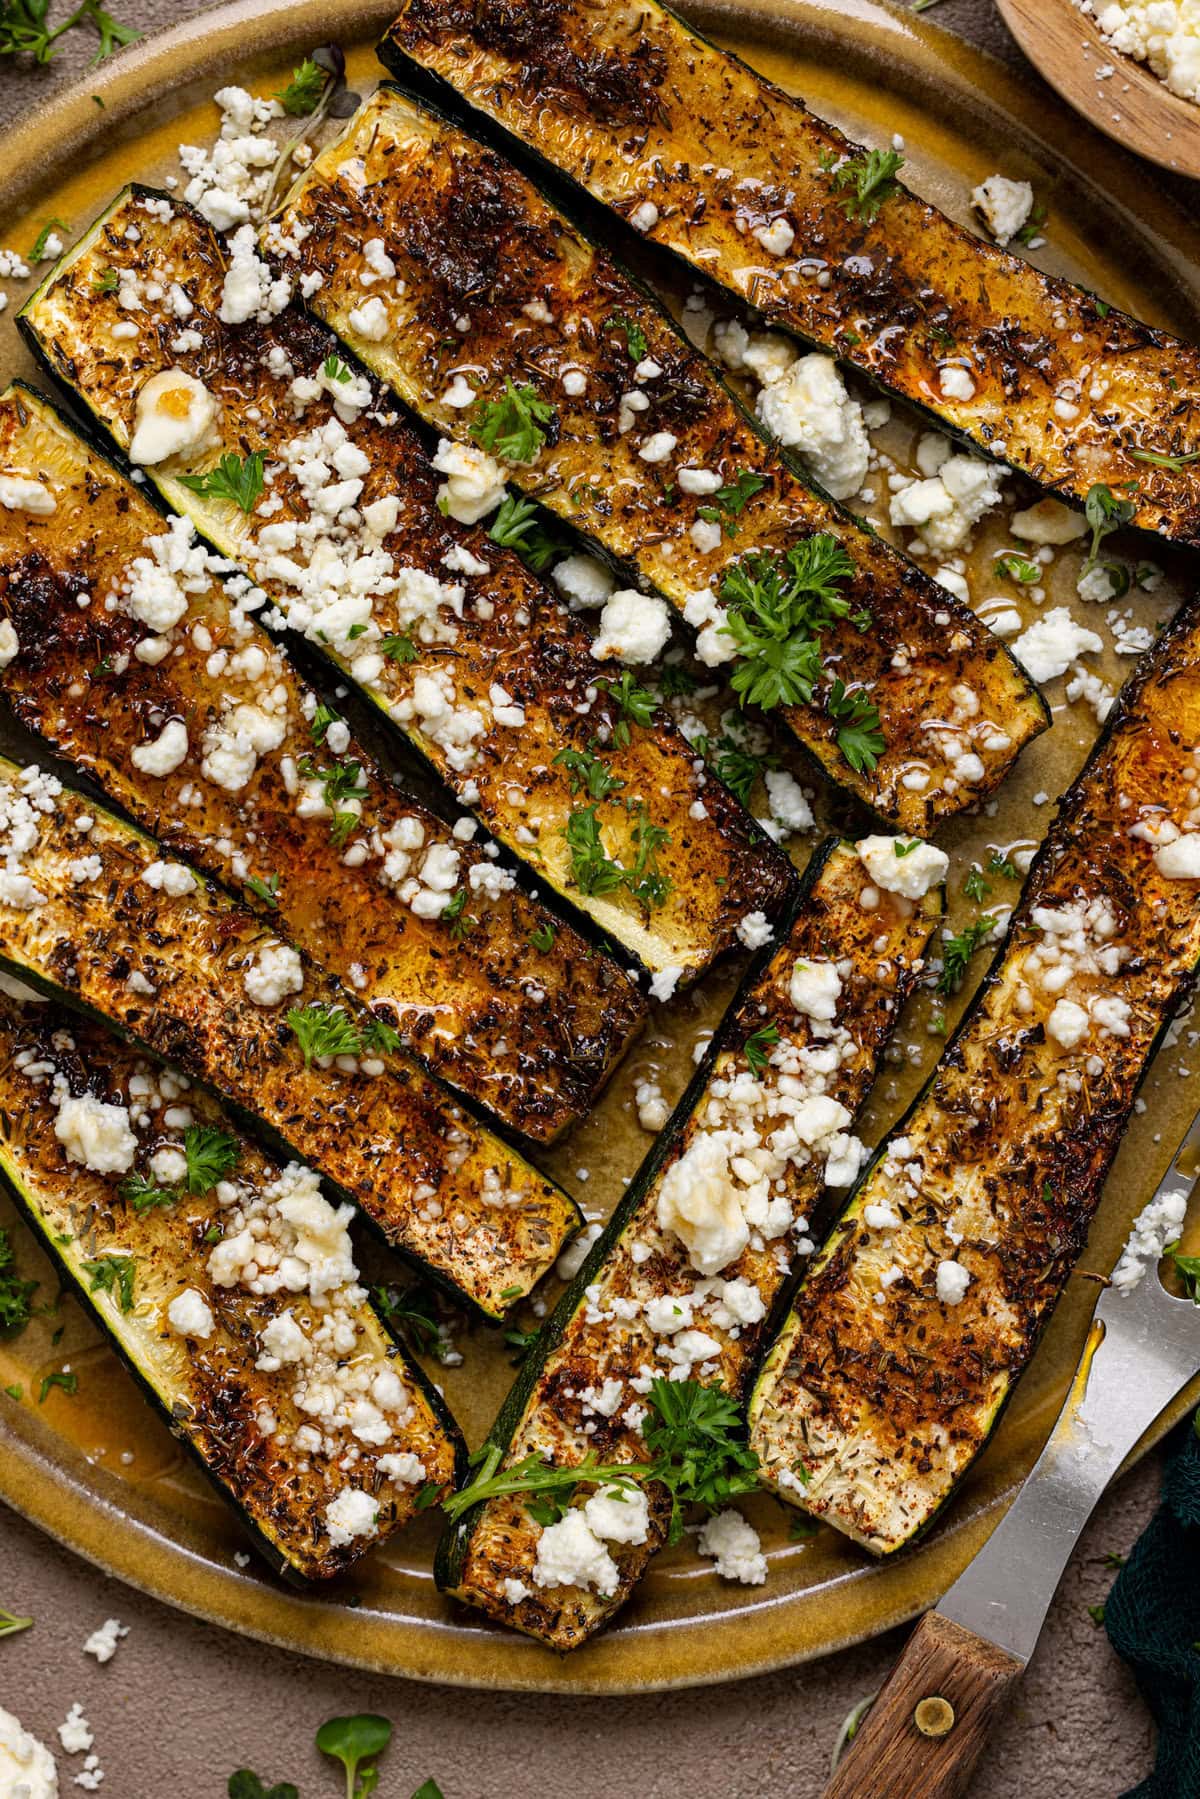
{"x":734,"y":1546}
{"x":103,"y":1641}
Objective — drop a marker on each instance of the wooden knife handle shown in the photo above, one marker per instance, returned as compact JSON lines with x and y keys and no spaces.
{"x":924,"y":1733}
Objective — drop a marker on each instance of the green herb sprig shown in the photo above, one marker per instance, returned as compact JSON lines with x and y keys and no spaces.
{"x":238,"y":479}
{"x":958,"y":951}
{"x":866,"y":182}
{"x":323,"y":1030}
{"x":516,"y":425}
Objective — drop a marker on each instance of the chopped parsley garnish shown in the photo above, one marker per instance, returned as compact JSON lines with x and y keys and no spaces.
{"x":413,"y":1312}
{"x":778,"y":605}
{"x":519,"y":525}
{"x":859,"y":736}
{"x":336,"y":369}
{"x":1105,"y":514}
{"x":543,"y":938}
{"x":44,"y":236}
{"x":456,"y":915}
{"x":674,"y":681}
{"x":266,"y":889}
{"x":592,"y":871}
{"x":24,"y":30}
{"x":302,"y":94}
{"x":730,"y":500}
{"x":757,"y":1044}
{"x":635,"y":337}
{"x":693,"y":1437}
{"x":398,"y":647}
{"x":114,"y":1275}
{"x":211,"y":1155}
{"x":635,"y":704}
{"x":60,"y":1378}
{"x":1159,"y":459}
{"x":339,"y":782}
{"x":15,"y":1294}
{"x":238,"y":479}
{"x":958,"y":951}
{"x":142,"y":1193}
{"x":322,"y":718}
{"x":521,"y":1342}
{"x":647,"y":885}
{"x":870,"y":179}
{"x":588,"y":774}
{"x":975,"y":886}
{"x":1033,"y":228}
{"x":734,"y":765}
{"x":802,"y":1528}
{"x":1012,"y":566}
{"x":106,"y":282}
{"x":513,"y":427}
{"x":1096,"y":1614}
{"x":1000,"y":865}
{"x":322,"y":1030}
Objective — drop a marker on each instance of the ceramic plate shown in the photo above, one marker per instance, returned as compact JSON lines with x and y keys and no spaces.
{"x":97,"y":1470}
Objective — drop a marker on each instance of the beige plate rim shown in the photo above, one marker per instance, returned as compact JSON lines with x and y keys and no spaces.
{"x":79,"y":1504}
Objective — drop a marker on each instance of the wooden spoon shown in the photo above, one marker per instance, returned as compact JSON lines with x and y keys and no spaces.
{"x":1132,"y":105}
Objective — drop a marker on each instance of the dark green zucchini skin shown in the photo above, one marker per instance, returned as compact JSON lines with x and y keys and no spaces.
{"x":655,"y":111}
{"x":44,"y":1188}
{"x":474,"y":240}
{"x":720,"y":866}
{"x":459,"y":999}
{"x":390,"y":1142}
{"x":880,"y":952}
{"x":841,"y":1386}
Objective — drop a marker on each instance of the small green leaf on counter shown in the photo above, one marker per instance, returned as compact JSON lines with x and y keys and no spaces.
{"x":354,"y":1742}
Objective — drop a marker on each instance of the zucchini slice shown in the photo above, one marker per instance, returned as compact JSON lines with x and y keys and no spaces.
{"x":501,"y":302}
{"x":886,"y":1379}
{"x":702,"y":154}
{"x":638,"y":1306}
{"x":91,"y":913}
{"x":270,"y":1371}
{"x":447,"y":633}
{"x":482,"y":982}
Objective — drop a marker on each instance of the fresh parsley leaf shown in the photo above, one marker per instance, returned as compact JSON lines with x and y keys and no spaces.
{"x":521,"y":1342}
{"x":355,"y":1742}
{"x":592,"y":870}
{"x":60,"y":1378}
{"x":1000,"y":865}
{"x":303,"y":92}
{"x":15,"y":1294}
{"x":106,"y":282}
{"x":322,"y":718}
{"x":322,"y":1030}
{"x":729,"y":501}
{"x":413,"y":1312}
{"x":1096,"y":1614}
{"x":1105,"y":514}
{"x":635,"y":704}
{"x":238,"y":479}
{"x":777,"y":607}
{"x":456,"y":916}
{"x":342,"y":784}
{"x":211,"y":1155}
{"x":266,"y":889}
{"x":588,"y":774}
{"x":114,"y":1275}
{"x":975,"y":886}
{"x":859,"y":736}
{"x":736,"y":766}
{"x":520,"y":525}
{"x":802,"y":1528}
{"x":1012,"y":566}
{"x":1032,"y":227}
{"x":866,"y":182}
{"x":543,"y":938}
{"x":958,"y":951}
{"x":635,"y":337}
{"x":398,"y":647}
{"x":757,"y":1044}
{"x":140,"y":1192}
{"x":905,"y":846}
{"x":428,"y":1789}
{"x":645,"y":881}
{"x":10,"y":1624}
{"x":1160,"y":459}
{"x":112,"y":34}
{"x":516,"y":425}
{"x":675,"y":682}
{"x":336,"y":369}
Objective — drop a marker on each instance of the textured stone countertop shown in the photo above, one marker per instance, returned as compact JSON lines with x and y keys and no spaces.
{"x":182,"y":1704}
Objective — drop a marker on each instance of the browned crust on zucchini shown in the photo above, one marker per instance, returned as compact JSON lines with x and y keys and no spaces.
{"x":873,"y":1409}
{"x":532,"y":1034}
{"x":636,"y":106}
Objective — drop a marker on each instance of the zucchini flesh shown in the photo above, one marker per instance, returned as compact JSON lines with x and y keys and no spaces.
{"x":600,"y":1332}
{"x":79,"y":920}
{"x":513,"y":636}
{"x":640,"y":109}
{"x":239,"y":1419}
{"x":869,"y":1409}
{"x":530,"y":1032}
{"x":500,"y":287}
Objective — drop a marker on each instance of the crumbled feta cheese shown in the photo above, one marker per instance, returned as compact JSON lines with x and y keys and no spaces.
{"x":946,"y":506}
{"x":644,"y":217}
{"x":583,"y":581}
{"x":164,"y":754}
{"x":1156,"y":1225}
{"x":952,"y":1282}
{"x":956,"y":382}
{"x":19,"y":494}
{"x":697,"y":1202}
{"x":1051,"y":643}
{"x":370,"y":320}
{"x":618,"y":1514}
{"x":75,"y":1733}
{"x":169,"y":877}
{"x":1005,"y":206}
{"x":475,"y":483}
{"x":658,"y":447}
{"x":103,"y":1642}
{"x":814,"y":990}
{"x":755,"y":930}
{"x":1164,"y":34}
{"x":1068,"y":1023}
{"x":776,"y":238}
{"x":352,"y":1514}
{"x":789,"y":807}
{"x":1049,"y":522}
{"x":1179,"y":860}
{"x":190,"y":1314}
{"x":174,"y":415}
{"x":634,"y":627}
{"x":275,"y":972}
{"x":809,"y":409}
{"x":570,"y":1554}
{"x":911,"y":873}
{"x":734,"y":1546}
{"x":96,"y":1134}
{"x":27,"y":1768}
{"x":9,"y":642}
{"x":250,"y":290}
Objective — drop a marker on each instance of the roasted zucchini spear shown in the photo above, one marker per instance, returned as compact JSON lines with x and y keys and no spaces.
{"x":91,"y":913}
{"x":510,"y":332}
{"x":924,"y":1306}
{"x":270,"y":1367}
{"x":639,"y":1306}
{"x":487,"y":986}
{"x":297,"y":467}
{"x":703,"y":155}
